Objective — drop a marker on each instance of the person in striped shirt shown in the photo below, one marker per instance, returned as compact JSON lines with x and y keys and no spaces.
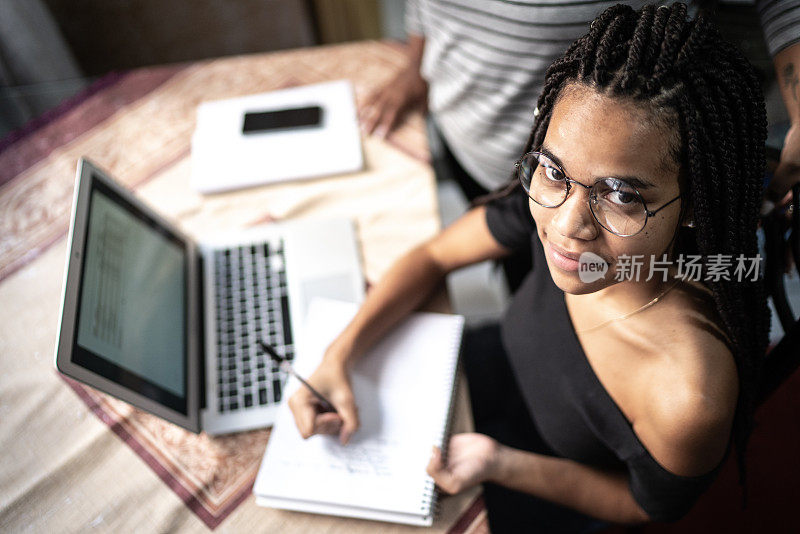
{"x":479,"y":67}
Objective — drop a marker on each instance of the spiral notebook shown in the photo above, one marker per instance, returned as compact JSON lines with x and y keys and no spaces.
{"x":404,"y":387}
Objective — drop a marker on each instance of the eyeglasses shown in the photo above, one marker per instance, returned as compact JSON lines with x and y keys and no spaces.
{"x":615,"y":204}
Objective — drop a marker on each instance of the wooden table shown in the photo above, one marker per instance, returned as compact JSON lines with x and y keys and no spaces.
{"x":75,"y":459}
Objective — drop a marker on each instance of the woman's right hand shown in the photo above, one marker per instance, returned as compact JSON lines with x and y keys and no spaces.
{"x":332,"y":381}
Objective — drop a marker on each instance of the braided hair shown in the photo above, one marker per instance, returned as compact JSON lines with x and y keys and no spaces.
{"x":691,"y":78}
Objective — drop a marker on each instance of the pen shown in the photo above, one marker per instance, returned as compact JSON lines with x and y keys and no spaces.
{"x":325,"y":404}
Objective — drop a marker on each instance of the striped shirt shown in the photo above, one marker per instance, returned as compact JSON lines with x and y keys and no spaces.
{"x":780,"y":20}
{"x":485,"y":61}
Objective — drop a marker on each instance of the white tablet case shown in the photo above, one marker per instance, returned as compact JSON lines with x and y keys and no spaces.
{"x":224,"y":158}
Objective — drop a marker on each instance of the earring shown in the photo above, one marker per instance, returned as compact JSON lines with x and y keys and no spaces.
{"x":690,"y":223}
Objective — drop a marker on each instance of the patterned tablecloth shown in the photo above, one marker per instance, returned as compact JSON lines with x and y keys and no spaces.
{"x":74,"y":459}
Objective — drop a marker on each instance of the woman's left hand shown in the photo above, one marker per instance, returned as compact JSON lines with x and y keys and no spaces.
{"x":472,"y":458}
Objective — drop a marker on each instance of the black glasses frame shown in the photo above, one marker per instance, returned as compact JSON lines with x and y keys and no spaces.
{"x":592,"y":195}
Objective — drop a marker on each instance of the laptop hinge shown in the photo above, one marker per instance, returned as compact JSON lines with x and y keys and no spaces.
{"x":201,"y":328}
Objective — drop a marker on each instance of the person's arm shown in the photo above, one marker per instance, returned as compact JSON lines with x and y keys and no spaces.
{"x":595,"y":492}
{"x":407,"y":284}
{"x":787,"y":68}
{"x":386,"y":106}
{"x":475,"y":458}
{"x":690,"y":442}
{"x":411,"y":280}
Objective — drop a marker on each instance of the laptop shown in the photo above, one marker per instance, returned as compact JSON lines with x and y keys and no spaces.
{"x":170,"y":325}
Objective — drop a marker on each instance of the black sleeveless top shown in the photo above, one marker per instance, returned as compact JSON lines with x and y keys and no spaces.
{"x":570,"y":408}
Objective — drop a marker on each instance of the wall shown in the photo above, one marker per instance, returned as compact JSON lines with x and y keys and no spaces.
{"x":118,"y":34}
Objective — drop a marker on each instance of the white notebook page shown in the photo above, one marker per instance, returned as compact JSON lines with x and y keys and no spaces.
{"x":402,"y":388}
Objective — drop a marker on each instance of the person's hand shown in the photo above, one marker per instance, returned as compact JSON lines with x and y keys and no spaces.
{"x":385,"y":107}
{"x":778,"y":193}
{"x":331,"y":380}
{"x":472,"y":459}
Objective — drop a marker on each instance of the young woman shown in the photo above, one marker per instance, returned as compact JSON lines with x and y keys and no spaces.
{"x":611,"y":397}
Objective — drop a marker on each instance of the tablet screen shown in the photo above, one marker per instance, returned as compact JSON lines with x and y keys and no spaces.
{"x":131,"y":323}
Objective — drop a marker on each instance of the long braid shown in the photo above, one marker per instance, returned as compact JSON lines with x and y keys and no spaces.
{"x":640,"y":43}
{"x":691,"y":76}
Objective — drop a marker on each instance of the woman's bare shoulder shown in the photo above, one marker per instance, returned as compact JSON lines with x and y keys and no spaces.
{"x":690,"y":390}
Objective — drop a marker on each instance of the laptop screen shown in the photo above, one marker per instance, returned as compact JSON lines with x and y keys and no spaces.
{"x":131,"y":324}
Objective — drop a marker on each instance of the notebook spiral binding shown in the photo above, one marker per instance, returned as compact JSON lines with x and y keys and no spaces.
{"x":430,"y":495}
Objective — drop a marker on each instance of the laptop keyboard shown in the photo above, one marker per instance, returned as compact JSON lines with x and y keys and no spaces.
{"x":252,"y":302}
